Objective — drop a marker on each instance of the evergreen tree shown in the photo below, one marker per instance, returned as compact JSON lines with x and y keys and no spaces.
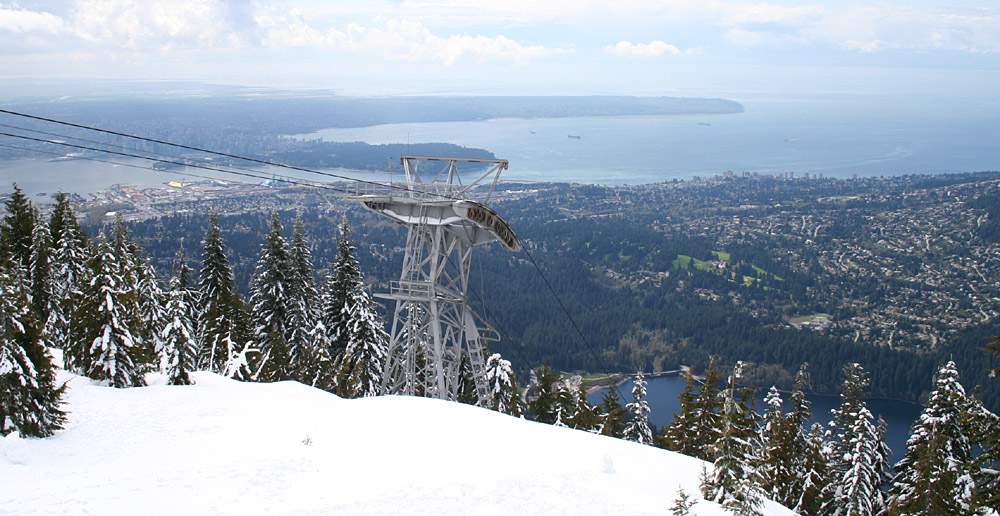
{"x":40,"y":259}
{"x":696,"y":427}
{"x":67,"y":271}
{"x":302,"y":300}
{"x":585,"y":416}
{"x":776,"y":448}
{"x":679,"y":436}
{"x":16,"y":229}
{"x":859,"y":454}
{"x":786,"y":467}
{"x":223,"y":322}
{"x":359,"y":372}
{"x":683,"y":504}
{"x":936,"y":475}
{"x":807,"y":465}
{"x":466,"y":383}
{"x":638,"y":428}
{"x":544,"y":405}
{"x":985,"y":434}
{"x":501,"y":386}
{"x":345,"y":279}
{"x":137,"y":274}
{"x":178,"y":335}
{"x":612,"y":413}
{"x":106,"y":321}
{"x":151,"y":301}
{"x":734,"y":481}
{"x":315,"y":367}
{"x":566,"y":404}
{"x":813,"y":495}
{"x":269,"y":302}
{"x":29,"y":397}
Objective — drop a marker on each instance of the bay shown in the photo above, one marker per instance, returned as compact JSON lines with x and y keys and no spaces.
{"x":39,"y":179}
{"x":833,"y":136}
{"x":662,"y":392}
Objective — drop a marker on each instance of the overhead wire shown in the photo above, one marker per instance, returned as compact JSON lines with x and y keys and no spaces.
{"x":216,"y":153}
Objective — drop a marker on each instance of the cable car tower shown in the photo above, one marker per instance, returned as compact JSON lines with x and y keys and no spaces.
{"x":446,"y":216}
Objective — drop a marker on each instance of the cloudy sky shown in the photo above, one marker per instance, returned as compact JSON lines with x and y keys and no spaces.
{"x":664,"y":47}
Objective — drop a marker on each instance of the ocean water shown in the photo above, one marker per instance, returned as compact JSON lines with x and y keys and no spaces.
{"x":834,"y":136}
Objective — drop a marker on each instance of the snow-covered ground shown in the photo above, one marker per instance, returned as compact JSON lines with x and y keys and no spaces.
{"x":226,"y":447}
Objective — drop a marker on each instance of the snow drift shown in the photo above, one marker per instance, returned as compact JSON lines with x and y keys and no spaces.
{"x":226,"y":447}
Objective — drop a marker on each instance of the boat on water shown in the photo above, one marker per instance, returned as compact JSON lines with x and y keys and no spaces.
{"x":573,"y":136}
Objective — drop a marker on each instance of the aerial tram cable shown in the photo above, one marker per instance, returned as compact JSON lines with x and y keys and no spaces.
{"x":216,"y":153}
{"x":313,"y":184}
{"x":189,"y":162}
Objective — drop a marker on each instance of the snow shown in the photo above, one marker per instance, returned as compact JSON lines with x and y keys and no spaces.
{"x":226,"y":447}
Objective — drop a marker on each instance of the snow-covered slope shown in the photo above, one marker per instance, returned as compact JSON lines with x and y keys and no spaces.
{"x":225,"y":447}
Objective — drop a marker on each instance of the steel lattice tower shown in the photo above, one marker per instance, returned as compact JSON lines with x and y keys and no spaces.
{"x":432,"y":322}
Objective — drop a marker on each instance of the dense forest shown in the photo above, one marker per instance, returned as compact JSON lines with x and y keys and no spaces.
{"x":647,"y":286}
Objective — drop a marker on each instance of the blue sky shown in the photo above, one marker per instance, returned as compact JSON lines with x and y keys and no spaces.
{"x":520,"y":47}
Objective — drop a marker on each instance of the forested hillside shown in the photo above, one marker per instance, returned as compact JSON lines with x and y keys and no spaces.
{"x":899,"y":274}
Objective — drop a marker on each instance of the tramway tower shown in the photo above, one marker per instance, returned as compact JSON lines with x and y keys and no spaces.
{"x":443,"y":203}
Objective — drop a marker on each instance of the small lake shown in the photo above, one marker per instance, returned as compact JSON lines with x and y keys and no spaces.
{"x":662,"y":392}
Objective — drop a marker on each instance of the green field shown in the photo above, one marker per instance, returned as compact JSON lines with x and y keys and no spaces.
{"x":807,"y":318}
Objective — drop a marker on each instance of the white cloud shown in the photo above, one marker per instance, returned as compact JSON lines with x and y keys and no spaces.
{"x":22,"y":21}
{"x":863,"y":28}
{"x":882,"y":27}
{"x":397,"y":39}
{"x":179,"y":24}
{"x":654,"y":48}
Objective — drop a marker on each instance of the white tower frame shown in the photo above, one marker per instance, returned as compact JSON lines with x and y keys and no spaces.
{"x":432,"y":322}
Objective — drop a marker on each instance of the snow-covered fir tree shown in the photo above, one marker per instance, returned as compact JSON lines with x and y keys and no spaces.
{"x":346,"y":277}
{"x":106,"y":320}
{"x":776,"y":448}
{"x":571,"y":409}
{"x":612,"y":413}
{"x":585,"y":416}
{"x":678,"y":436}
{"x":734,"y":481}
{"x":638,"y":428}
{"x":788,"y":469}
{"x":696,"y":427}
{"x":302,"y":303}
{"x":501,"y":386}
{"x":178,"y":334}
{"x":138,"y":274}
{"x":813,"y":495}
{"x":544,"y":405}
{"x":67,"y":269}
{"x":223,"y":331}
{"x":269,"y":306}
{"x":29,"y":397}
{"x":809,"y":466}
{"x":360,"y":368}
{"x":16,"y":229}
{"x":859,"y":454}
{"x":682,"y":504}
{"x":39,"y":260}
{"x":937,"y":473}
